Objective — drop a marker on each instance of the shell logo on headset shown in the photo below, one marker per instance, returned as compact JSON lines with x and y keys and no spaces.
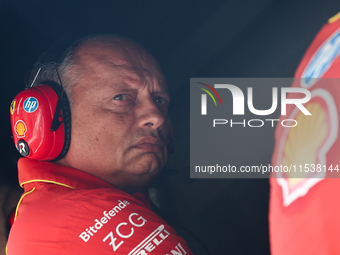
{"x":20,"y":129}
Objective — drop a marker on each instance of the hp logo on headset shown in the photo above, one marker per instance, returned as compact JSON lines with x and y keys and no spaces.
{"x":30,"y":104}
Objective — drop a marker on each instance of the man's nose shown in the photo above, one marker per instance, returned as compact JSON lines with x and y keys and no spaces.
{"x":150,"y":115}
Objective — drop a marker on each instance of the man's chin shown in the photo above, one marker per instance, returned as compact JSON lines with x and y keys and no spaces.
{"x":148,"y":167}
{"x":149,"y":159}
{"x":141,"y":176}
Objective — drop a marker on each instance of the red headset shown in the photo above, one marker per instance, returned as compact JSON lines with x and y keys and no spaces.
{"x":36,"y":117}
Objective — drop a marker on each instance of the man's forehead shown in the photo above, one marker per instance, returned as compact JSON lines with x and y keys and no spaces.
{"x":126,"y":53}
{"x":129,"y":61}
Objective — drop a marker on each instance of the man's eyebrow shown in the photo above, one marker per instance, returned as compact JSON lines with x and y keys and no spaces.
{"x":122,"y":86}
{"x":161,"y":91}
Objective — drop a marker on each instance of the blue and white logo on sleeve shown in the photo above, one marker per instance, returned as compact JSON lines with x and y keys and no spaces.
{"x":31,"y":104}
{"x":322,"y":60}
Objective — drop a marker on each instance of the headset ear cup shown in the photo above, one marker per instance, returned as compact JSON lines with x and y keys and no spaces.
{"x":32,"y":113}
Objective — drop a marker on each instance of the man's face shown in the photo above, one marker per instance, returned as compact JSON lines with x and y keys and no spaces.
{"x":120,"y":118}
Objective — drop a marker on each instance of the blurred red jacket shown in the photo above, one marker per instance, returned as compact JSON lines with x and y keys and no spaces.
{"x":304,"y":211}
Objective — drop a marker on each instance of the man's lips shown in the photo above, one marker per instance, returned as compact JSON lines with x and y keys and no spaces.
{"x":150,"y":144}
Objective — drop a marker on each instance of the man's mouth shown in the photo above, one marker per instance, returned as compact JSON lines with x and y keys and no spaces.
{"x":150,"y":144}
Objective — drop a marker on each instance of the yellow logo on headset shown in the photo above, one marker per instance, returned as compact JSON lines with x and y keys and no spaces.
{"x":20,"y":128}
{"x":12,"y":107}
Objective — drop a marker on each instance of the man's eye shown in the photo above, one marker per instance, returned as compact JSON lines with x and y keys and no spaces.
{"x":161,"y":100}
{"x":121,"y":97}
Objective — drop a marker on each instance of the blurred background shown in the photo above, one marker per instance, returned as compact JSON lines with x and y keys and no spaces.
{"x":231,"y":38}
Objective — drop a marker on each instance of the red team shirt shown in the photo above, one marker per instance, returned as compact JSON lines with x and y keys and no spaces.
{"x":304,"y":213}
{"x":67,"y":211}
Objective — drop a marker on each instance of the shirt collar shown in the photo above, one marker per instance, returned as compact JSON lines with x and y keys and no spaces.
{"x":32,"y":171}
{"x":40,"y":171}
